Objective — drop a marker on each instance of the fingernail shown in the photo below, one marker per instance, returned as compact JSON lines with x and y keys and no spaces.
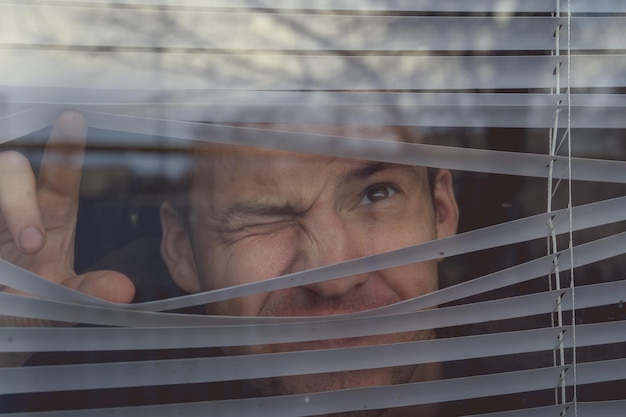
{"x":30,"y":239}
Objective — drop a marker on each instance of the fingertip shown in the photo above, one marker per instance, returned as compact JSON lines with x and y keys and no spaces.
{"x":72,"y":118}
{"x":31,"y":239}
{"x":108,"y":285}
{"x":70,"y":127}
{"x":124,"y":291}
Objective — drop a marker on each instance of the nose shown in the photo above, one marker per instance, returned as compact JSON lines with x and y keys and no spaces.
{"x":326,"y":242}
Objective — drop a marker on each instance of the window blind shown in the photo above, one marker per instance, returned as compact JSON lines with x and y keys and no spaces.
{"x":524,"y":100}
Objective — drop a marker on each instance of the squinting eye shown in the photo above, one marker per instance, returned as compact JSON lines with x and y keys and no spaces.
{"x":377,"y":193}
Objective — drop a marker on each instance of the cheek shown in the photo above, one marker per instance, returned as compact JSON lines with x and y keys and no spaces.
{"x":399,"y":232}
{"x":250,"y":260}
{"x":412,"y":280}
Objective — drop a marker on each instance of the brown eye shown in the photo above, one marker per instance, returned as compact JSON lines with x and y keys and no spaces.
{"x":377,"y":193}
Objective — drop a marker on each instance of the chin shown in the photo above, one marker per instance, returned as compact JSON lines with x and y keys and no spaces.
{"x":304,"y":384}
{"x":332,"y":381}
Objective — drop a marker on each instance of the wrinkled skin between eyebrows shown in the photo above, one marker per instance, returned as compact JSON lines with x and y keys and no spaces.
{"x":257,"y":214}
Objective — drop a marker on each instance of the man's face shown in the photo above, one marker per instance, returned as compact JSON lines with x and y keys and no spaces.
{"x":258,"y":214}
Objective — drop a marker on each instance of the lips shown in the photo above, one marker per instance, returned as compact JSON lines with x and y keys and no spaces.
{"x":350,"y":342}
{"x":336,"y":343}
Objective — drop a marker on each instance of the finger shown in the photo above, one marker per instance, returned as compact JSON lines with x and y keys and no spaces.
{"x":19,"y":207}
{"x":106,"y":285}
{"x":59,"y":176}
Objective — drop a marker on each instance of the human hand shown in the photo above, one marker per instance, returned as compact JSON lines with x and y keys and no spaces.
{"x":38,"y":217}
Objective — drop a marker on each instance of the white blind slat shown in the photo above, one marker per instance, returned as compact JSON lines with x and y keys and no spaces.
{"x":473,"y":160}
{"x":274,"y":72}
{"x":256,"y":31}
{"x":410,"y":109}
{"x":585,"y":409}
{"x":143,"y":28}
{"x":292,"y":72}
{"x":452,"y":6}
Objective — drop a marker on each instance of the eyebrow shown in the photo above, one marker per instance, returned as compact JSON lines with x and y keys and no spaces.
{"x":366,"y":171}
{"x":254,"y":208}
{"x":372,"y":168}
{"x":243,"y":209}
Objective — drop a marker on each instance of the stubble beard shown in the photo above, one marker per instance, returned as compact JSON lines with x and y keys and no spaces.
{"x":306,"y":384}
{"x":332,"y":381}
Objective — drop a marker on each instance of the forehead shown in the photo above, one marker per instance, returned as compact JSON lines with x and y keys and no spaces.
{"x":231,"y":170}
{"x":226,"y":177}
{"x":217,"y":165}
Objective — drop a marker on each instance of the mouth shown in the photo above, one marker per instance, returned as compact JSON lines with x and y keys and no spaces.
{"x":336,"y":343}
{"x":347,"y":342}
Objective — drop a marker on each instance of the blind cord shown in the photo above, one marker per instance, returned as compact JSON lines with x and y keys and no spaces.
{"x":559,"y":352}
{"x":571,"y":221}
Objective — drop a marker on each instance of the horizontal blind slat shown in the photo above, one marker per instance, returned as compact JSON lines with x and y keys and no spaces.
{"x":526,"y":6}
{"x":510,"y":163}
{"x":613,"y":408}
{"x":273,"y":72}
{"x":364,"y":108}
{"x":465,"y":159}
{"x":138,"y":70}
{"x":51,"y":25}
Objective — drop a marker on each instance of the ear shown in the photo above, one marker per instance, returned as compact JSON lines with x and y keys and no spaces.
{"x":177,"y":250}
{"x":446,"y":208}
